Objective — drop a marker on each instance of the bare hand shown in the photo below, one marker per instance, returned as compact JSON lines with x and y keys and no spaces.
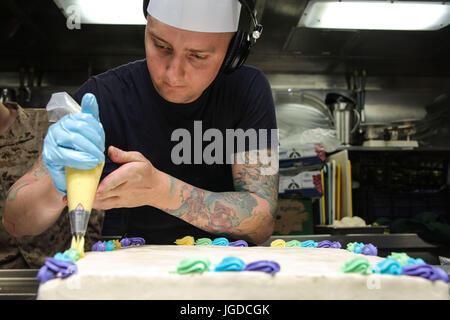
{"x":132,"y":185}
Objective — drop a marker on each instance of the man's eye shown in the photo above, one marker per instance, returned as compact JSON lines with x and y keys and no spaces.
{"x":161,"y":46}
{"x":199,"y":57}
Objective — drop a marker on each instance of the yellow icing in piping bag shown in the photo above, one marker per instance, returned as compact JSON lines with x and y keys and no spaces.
{"x":78,"y":244}
{"x":81,"y":189}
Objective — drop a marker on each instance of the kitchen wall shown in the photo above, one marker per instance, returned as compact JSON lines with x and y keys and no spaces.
{"x":387,"y":98}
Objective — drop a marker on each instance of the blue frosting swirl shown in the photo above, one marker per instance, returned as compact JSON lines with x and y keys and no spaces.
{"x":230,"y":264}
{"x":62,"y":256}
{"x":388,"y":266}
{"x":109,"y":246}
{"x":357,"y":248}
{"x":220,"y":242}
{"x":309,"y":244}
{"x":415,"y":261}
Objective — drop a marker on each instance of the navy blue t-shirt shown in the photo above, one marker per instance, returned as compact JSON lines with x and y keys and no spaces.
{"x":136,"y":118}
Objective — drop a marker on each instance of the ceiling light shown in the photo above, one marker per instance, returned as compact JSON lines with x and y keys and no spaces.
{"x":103,"y":11}
{"x":376,"y":15}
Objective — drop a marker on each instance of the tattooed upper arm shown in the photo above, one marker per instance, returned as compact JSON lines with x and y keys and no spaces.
{"x":257,"y":172}
{"x":37,"y":171}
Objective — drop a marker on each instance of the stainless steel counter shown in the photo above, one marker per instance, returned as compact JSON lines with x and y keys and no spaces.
{"x":18,"y":284}
{"x":409,"y":243}
{"x":384,"y":241}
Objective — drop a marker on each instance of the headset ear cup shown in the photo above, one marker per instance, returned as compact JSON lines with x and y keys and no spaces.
{"x":231,"y":52}
{"x":237,"y":53}
{"x":242,"y":55}
{"x":144,"y":7}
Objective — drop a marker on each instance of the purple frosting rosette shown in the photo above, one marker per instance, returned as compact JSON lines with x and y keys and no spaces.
{"x":135,"y":241}
{"x":369,"y":250}
{"x":271,"y":267}
{"x":238,"y":243}
{"x":425,"y":271}
{"x":99,"y":246}
{"x":329,"y":244}
{"x":55,"y":268}
{"x":336,"y":245}
{"x":125,"y":242}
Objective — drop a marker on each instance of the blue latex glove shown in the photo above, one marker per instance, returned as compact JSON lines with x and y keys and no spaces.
{"x":76,"y":141}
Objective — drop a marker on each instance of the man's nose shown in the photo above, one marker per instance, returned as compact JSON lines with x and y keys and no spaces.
{"x":175,"y":70}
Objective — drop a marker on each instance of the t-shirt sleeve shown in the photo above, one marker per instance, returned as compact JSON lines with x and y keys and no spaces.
{"x":258,"y":113}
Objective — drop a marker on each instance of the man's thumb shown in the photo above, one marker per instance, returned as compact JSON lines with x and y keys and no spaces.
{"x":119,"y":156}
{"x":89,"y":105}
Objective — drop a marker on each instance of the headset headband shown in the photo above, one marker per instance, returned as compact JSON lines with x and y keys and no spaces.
{"x":257,"y":28}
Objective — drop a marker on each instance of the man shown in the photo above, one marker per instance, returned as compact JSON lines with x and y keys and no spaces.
{"x":179,"y":86}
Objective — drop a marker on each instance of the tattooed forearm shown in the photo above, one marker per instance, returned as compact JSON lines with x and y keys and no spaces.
{"x":214,"y":212}
{"x":247,"y":212}
{"x":172,"y":186}
{"x":265,"y":187}
{"x":248,"y":177}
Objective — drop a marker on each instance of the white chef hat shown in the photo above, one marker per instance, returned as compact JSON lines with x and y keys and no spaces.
{"x":197,"y":15}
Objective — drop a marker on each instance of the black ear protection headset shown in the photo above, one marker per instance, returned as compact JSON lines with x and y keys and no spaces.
{"x":242,"y":41}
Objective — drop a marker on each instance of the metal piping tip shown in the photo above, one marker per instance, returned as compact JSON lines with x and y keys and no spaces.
{"x":79,"y":219}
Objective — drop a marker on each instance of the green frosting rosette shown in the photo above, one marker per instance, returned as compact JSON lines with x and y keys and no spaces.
{"x":73,"y":254}
{"x":193,"y":265}
{"x":203,"y":242}
{"x":293,"y":243}
{"x":351,"y":246}
{"x":358,"y":265}
{"x":401,"y":257}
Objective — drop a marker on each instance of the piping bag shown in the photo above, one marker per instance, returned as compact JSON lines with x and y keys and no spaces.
{"x":81,"y":188}
{"x":81,"y":184}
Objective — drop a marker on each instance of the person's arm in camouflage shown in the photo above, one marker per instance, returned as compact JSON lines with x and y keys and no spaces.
{"x":36,"y":200}
{"x":7,"y":117}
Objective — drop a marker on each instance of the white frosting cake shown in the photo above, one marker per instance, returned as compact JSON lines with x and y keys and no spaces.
{"x":305,"y":273}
